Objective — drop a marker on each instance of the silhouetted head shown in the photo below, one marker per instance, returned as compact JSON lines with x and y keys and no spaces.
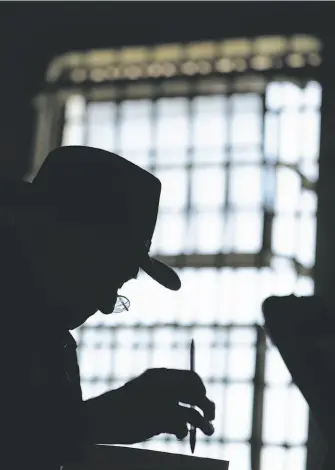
{"x":86,"y":224}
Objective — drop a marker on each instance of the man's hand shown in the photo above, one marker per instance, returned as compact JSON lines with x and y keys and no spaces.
{"x":149,"y":405}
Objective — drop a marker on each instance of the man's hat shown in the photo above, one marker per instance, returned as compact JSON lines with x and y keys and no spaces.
{"x":91,"y":185}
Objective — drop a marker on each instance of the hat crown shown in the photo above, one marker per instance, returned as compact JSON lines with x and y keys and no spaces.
{"x":100,"y":186}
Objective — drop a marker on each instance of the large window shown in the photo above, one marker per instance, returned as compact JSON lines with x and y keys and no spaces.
{"x":238,"y":161}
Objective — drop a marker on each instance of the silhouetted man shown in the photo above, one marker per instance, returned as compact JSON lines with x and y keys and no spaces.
{"x":303,"y":330}
{"x":70,"y":240}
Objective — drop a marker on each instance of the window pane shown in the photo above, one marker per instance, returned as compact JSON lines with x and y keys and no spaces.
{"x":101,"y":117}
{"x":246,"y":103}
{"x":297,"y":413}
{"x":290,"y":136}
{"x":203,"y":361}
{"x":284,"y":235}
{"x":311,"y":131}
{"x":102,"y":137}
{"x":213,"y":105}
{"x":216,"y":392}
{"x":135,"y":125}
{"x":273,"y":457}
{"x":123,"y":363}
{"x":245,"y":186}
{"x":296,"y":458}
{"x":246,"y":129}
{"x":101,"y":114}
{"x":244,"y":309}
{"x":247,"y":228}
{"x":283,"y":95}
{"x":309,"y":169}
{"x":271,"y":137}
{"x":174,"y":189}
{"x":246,"y":120}
{"x":283,"y":459}
{"x":243,"y":336}
{"x":308,"y":202}
{"x":283,"y":276}
{"x":233,"y":307}
{"x":205,"y":233}
{"x":75,"y":108}
{"x":136,"y":109}
{"x":135,"y":135}
{"x":172,"y":123}
{"x":312,"y":95}
{"x":170,"y":234}
{"x":87,"y":361}
{"x":197,"y":301}
{"x":73,"y":134}
{"x":276,"y":372}
{"x":238,"y":411}
{"x":288,"y":190}
{"x":275,"y":434}
{"x":238,"y":456}
{"x":292,"y":95}
{"x":241,"y":363}
{"x":306,"y":240}
{"x":209,"y":123}
{"x":274,"y":96}
{"x":208,"y":187}
{"x":169,"y":357}
{"x":304,"y":286}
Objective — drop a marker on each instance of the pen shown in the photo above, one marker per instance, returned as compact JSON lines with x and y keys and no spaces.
{"x":193,"y":428}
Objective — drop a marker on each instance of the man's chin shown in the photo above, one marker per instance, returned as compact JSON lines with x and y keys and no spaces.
{"x":77,"y":318}
{"x":107,"y":307}
{"x":106,"y":310}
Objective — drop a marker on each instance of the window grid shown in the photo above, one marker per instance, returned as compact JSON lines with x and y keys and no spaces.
{"x":255,"y":254}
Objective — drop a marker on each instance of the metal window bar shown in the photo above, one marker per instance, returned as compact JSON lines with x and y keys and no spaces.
{"x":257,"y":411}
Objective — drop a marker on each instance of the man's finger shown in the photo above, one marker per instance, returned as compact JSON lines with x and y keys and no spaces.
{"x":177,"y":418}
{"x":190,"y":389}
{"x":182,"y":431}
{"x":208,"y":407}
{"x":194,"y":418}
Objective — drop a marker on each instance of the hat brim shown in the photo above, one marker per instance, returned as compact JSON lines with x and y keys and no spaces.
{"x":161,"y":273}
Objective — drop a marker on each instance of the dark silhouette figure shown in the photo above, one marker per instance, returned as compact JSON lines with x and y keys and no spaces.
{"x":70,"y":240}
{"x":303,"y":330}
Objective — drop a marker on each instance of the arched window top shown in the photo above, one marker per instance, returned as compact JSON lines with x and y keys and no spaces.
{"x":189,"y":59}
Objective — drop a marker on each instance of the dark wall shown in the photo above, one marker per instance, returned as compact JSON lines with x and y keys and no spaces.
{"x":32,"y":33}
